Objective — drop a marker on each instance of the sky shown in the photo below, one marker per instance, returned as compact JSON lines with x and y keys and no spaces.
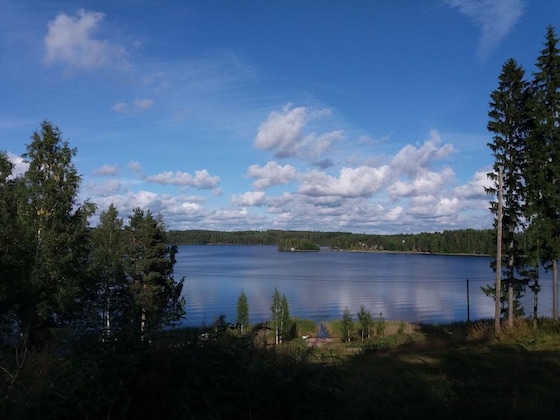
{"x":355,"y":116}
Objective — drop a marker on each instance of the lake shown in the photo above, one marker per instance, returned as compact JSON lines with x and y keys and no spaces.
{"x":320,"y":285}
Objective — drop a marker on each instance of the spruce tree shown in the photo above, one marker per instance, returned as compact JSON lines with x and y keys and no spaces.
{"x":543,"y":169}
{"x":509,"y":124}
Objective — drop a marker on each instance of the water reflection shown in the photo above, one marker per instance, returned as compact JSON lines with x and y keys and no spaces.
{"x":319,"y":286}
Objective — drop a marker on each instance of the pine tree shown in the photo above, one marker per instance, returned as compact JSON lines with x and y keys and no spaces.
{"x":509,"y":124}
{"x":543,"y":170}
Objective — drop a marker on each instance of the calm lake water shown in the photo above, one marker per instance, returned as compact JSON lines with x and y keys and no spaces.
{"x":320,"y":285}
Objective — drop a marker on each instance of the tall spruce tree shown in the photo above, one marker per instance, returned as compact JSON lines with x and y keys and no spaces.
{"x":156,"y":296}
{"x":509,"y":123}
{"x":543,"y":169}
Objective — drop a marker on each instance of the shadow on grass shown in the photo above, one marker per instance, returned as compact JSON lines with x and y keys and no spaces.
{"x":436,"y":373}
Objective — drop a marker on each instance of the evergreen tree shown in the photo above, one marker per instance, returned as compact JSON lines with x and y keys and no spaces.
{"x":543,"y":170}
{"x":509,"y":124}
{"x":156,"y":296}
{"x":242,"y":313}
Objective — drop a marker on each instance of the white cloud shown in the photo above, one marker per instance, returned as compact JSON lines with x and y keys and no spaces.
{"x":475,"y":187}
{"x":20,"y":166}
{"x":496,"y":19}
{"x":70,"y":41}
{"x":271,"y":174}
{"x":137,"y":105}
{"x":410,"y":159}
{"x":282,"y":131}
{"x":352,"y":182}
{"x":425,"y":182}
{"x":251,"y":199}
{"x":202,"y":179}
{"x":106,"y":170}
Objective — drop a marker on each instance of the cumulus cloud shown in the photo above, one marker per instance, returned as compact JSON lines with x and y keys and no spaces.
{"x":202,"y":179}
{"x":20,"y":166}
{"x":250,"y":198}
{"x":106,"y":170}
{"x":411,"y":159}
{"x":271,"y":174}
{"x":475,"y":188}
{"x":496,"y":19}
{"x":70,"y":40}
{"x":137,"y":105}
{"x":425,"y":182}
{"x":362,"y":181}
{"x":283,"y":132}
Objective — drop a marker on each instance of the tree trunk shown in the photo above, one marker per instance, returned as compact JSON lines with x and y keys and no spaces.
{"x":555,"y":290}
{"x":497,"y":298}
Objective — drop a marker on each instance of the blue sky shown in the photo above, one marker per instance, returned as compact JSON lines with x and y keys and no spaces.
{"x":355,"y":116}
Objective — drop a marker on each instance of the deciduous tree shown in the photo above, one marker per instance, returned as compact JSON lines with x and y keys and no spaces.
{"x":242,"y":320}
{"x":347,"y":325}
{"x":156,"y":296}
{"x":365,"y":320}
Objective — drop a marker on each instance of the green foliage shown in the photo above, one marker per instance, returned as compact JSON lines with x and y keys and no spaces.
{"x":347,"y":325}
{"x":156,"y":296}
{"x":280,"y":316}
{"x":242,"y":319}
{"x":365,"y":320}
{"x":380,"y":325}
{"x":463,"y":241}
{"x":291,"y":244}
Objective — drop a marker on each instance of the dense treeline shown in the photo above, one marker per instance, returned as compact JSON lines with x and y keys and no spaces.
{"x":462,"y":241}
{"x":73,"y":298}
{"x":524,"y":120}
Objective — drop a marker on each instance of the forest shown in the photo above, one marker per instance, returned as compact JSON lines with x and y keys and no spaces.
{"x":89,"y":315}
{"x":461,"y":241}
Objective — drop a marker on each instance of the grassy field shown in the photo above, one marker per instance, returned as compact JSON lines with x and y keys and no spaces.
{"x":458,"y":371}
